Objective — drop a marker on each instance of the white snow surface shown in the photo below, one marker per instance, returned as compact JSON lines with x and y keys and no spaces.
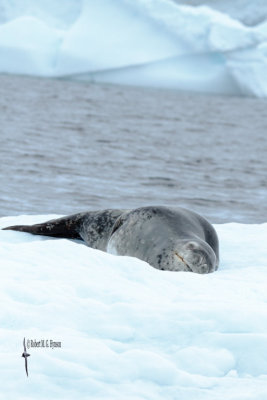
{"x":129,"y":331}
{"x":142,"y":42}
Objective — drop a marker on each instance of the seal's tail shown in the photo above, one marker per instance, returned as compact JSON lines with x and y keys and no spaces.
{"x":66,"y":227}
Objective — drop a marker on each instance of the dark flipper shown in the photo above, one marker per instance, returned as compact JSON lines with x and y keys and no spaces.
{"x":66,"y":227}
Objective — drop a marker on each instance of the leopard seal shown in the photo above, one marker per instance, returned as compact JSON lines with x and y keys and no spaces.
{"x":174,"y":239}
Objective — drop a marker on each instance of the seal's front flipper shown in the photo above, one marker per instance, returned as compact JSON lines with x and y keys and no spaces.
{"x":66,"y":227}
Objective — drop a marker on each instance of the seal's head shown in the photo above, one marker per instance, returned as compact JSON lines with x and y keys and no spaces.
{"x":167,"y":239}
{"x":186,"y":255}
{"x":194,"y":256}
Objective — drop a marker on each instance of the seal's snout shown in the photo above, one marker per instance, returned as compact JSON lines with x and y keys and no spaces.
{"x":204,"y":269}
{"x":198,"y":257}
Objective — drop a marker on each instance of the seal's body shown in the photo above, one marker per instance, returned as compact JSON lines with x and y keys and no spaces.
{"x":174,"y":239}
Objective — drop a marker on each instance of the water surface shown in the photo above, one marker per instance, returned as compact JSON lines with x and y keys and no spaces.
{"x":69,"y":146}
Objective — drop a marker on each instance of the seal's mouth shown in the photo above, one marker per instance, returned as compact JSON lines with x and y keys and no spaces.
{"x":183,"y":261}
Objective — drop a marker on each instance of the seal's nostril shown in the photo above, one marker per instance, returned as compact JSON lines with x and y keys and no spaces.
{"x":204,"y":269}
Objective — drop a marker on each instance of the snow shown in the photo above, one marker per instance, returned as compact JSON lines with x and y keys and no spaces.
{"x":250,"y":13}
{"x":150,"y":43}
{"x":128,"y":330}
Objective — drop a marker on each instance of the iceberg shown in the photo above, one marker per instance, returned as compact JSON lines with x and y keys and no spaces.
{"x":158,"y":43}
{"x":127,"y":330}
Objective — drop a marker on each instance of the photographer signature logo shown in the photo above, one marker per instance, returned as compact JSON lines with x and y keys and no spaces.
{"x":25,"y":355}
{"x":38,"y":344}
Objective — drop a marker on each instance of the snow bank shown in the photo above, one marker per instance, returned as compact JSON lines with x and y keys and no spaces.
{"x":128,"y":330}
{"x":156,"y":43}
{"x":249,"y":12}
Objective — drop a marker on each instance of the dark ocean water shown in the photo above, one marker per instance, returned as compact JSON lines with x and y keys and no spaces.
{"x":69,"y":146}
